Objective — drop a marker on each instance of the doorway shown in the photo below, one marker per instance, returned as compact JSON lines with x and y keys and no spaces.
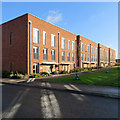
{"x":35,"y":68}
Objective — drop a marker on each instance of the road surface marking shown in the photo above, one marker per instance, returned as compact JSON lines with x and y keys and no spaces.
{"x":73,"y":86}
{"x":49,"y":104}
{"x":29,"y":80}
{"x":15,"y":105}
{"x":32,"y":79}
{"x":75,"y":95}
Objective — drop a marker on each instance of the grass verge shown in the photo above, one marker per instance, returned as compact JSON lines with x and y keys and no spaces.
{"x":112,"y":78}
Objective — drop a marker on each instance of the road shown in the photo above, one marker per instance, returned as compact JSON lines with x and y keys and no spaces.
{"x":27,"y":102}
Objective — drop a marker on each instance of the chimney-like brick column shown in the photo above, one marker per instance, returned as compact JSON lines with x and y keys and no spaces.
{"x":99,"y":55}
{"x":78,"y":51}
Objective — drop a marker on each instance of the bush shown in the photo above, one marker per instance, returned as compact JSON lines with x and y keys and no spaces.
{"x":5,"y":74}
{"x":42,"y":74}
{"x":63,"y":72}
{"x":90,"y":68}
{"x":26,"y":76}
{"x":21,"y":72}
{"x":82,"y":69}
{"x":16,"y":75}
{"x":117,"y":64}
{"x":72,"y":71}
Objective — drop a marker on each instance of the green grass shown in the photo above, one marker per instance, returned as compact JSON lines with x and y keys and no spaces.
{"x":112,"y":78}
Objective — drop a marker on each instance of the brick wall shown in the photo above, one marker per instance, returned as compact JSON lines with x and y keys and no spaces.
{"x":16,"y":53}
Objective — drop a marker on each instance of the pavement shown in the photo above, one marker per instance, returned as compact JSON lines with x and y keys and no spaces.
{"x":27,"y":102}
{"x":103,"y":91}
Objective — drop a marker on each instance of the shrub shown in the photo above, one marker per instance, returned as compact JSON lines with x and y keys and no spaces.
{"x":63,"y":72}
{"x":21,"y":72}
{"x":5,"y":74}
{"x":26,"y":76}
{"x":14,"y":75}
{"x":117,"y":64}
{"x":90,"y":68}
{"x":44,"y":73}
{"x":82,"y":69}
{"x":72,"y":71}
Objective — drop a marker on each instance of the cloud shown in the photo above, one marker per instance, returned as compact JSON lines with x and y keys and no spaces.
{"x":109,"y":46}
{"x":54,"y":17}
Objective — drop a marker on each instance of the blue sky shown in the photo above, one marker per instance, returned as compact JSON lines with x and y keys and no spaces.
{"x":97,"y":21}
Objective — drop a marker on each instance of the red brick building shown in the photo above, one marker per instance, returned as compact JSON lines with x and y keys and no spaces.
{"x":32,"y":45}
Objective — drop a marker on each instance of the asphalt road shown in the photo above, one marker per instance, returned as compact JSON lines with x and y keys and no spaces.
{"x":26,"y":102}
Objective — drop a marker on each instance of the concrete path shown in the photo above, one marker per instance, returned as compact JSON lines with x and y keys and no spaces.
{"x":103,"y":91}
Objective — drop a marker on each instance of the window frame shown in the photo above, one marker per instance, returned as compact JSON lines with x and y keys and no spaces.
{"x":53,"y":40}
{"x":53,"y":56}
{"x":36,"y":30}
{"x":44,"y":37}
{"x":73,"y":45}
{"x":46,"y":57}
{"x":63,"y":43}
{"x":34,"y":47}
{"x":68,"y":44}
{"x":63,"y":55}
{"x":68,"y":56}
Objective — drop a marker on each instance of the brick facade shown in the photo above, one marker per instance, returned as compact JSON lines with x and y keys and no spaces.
{"x":17,"y":54}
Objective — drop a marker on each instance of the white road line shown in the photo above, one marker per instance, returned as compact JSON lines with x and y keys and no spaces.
{"x":49,"y":104}
{"x":32,"y":79}
{"x":75,"y":87}
{"x":29,"y":80}
{"x":78,"y":97}
{"x":15,"y":105}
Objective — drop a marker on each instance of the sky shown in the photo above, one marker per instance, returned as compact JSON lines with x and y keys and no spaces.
{"x":97,"y":21}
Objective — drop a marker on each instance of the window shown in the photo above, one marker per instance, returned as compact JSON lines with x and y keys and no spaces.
{"x":96,"y":51}
{"x":96,"y":58}
{"x":73,"y":66}
{"x":63,"y":55}
{"x":35,"y":68}
{"x":35,"y":35}
{"x":73,"y":57}
{"x":88,"y":57}
{"x":91,"y":49}
{"x":92,"y":57}
{"x":63,"y":43}
{"x":53,"y":54}
{"x":82,"y":46}
{"x":35,"y":52}
{"x":45,"y":54}
{"x":11,"y":38}
{"x":44,"y":38}
{"x":85,"y":57}
{"x":68,"y":44}
{"x":81,"y":56}
{"x":73,"y":45}
{"x":68,"y":56}
{"x":100,"y":51}
{"x":85,"y":47}
{"x":88,"y":48}
{"x":53,"y":40}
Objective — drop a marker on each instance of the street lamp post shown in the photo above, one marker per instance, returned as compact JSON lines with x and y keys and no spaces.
{"x":76,"y":74}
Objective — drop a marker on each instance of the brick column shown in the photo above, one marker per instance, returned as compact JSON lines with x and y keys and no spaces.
{"x":78,"y":51}
{"x":90,"y":55}
{"x":99,"y":55}
{"x":109,"y":56}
